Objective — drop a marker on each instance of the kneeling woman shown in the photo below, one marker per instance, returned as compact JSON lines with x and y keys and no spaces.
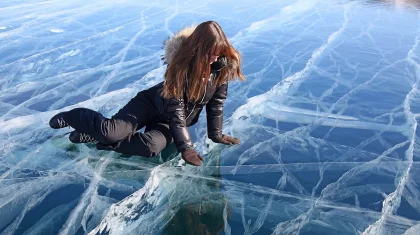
{"x":201,"y":62}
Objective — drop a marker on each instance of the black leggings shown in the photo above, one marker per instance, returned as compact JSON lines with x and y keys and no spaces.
{"x":119,"y":133}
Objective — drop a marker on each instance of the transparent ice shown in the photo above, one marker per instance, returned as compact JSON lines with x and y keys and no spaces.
{"x":328,"y":119}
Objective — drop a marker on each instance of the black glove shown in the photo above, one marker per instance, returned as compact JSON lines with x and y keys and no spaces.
{"x":192,"y":157}
{"x":228,"y":140}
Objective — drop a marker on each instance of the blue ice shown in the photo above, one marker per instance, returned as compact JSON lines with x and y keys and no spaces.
{"x":328,"y":119}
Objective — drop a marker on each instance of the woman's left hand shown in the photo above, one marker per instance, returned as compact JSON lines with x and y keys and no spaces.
{"x":228,"y":140}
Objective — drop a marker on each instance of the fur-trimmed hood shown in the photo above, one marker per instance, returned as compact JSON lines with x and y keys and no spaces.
{"x":172,"y":44}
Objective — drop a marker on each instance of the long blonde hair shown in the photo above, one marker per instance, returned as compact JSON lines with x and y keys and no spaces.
{"x":192,"y":61}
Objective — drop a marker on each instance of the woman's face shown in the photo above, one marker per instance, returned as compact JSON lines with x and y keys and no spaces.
{"x":213,"y":58}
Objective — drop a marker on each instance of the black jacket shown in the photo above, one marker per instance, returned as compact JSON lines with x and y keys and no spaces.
{"x":182,"y":113}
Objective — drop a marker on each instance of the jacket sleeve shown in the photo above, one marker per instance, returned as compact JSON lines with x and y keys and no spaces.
{"x":177,"y":124}
{"x":214,"y":109}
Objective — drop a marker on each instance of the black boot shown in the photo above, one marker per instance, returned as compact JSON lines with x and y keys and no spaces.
{"x":57,"y":121}
{"x":77,"y":137}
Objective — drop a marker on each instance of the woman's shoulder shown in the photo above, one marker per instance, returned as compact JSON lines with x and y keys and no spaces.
{"x":154,"y":90}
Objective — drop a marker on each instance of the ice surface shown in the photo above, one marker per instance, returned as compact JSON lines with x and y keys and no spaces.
{"x":328,"y":119}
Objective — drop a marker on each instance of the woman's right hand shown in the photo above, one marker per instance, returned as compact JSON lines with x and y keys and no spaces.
{"x":225,"y":139}
{"x":192,"y":157}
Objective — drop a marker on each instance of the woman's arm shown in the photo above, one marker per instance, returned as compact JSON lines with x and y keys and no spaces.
{"x":180,"y":132}
{"x":177,"y":124}
{"x":214,"y":109}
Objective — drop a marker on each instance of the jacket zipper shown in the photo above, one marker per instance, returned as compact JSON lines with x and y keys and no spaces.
{"x":192,"y":110}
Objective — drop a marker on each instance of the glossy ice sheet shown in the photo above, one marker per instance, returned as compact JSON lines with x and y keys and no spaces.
{"x":328,"y":119}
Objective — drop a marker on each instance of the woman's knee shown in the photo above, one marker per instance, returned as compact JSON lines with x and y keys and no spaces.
{"x":152,"y":149}
{"x":156,"y":137}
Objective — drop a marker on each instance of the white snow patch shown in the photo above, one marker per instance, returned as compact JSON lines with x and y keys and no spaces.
{"x":56,"y":30}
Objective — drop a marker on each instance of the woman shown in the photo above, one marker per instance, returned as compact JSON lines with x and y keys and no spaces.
{"x":201,"y":61}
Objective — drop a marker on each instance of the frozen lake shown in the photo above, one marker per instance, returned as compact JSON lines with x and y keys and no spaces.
{"x":328,"y":119}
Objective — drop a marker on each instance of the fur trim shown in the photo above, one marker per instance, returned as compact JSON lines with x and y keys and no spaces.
{"x":172,"y":44}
